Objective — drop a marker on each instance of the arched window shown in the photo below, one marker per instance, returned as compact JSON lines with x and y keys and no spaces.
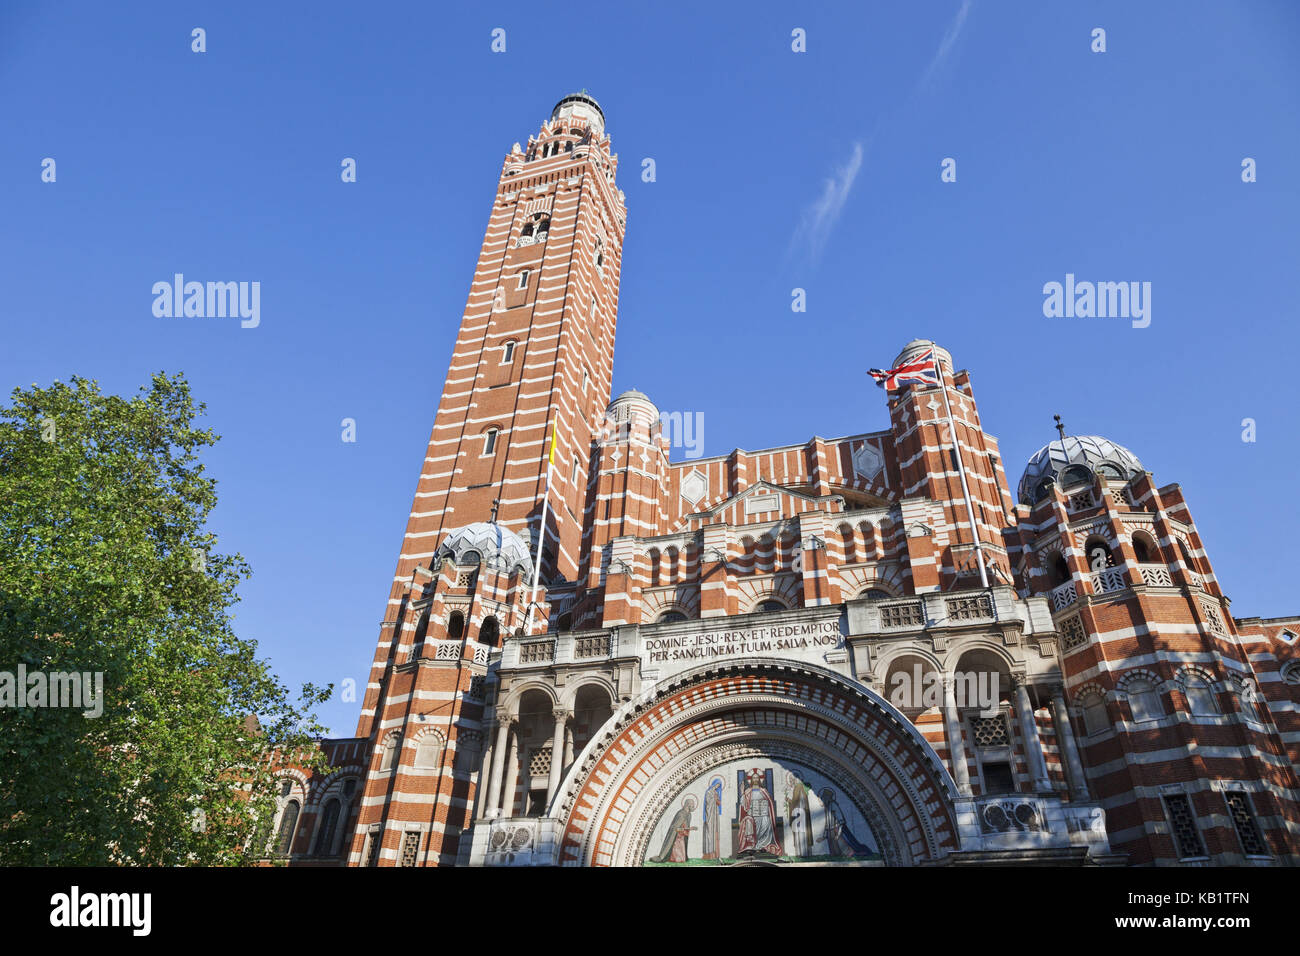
{"x":288,"y":824}
{"x":1098,"y":553}
{"x":874,"y":594}
{"x":1095,"y":719}
{"x":421,"y":631}
{"x":489,"y":632}
{"x":1075,"y":475}
{"x":427,"y":752}
{"x":1291,"y":673}
{"x":388,"y":758}
{"x":1200,"y":695}
{"x":1043,"y":489}
{"x":1143,"y":700}
{"x":1060,"y":571}
{"x":1144,"y":546}
{"x":1186,"y":555}
{"x":771,"y":605}
{"x":490,"y":442}
{"x":455,"y":626}
{"x":670,"y":617}
{"x":1248,"y":697}
{"x":523,"y":279}
{"x":508,"y":352}
{"x":329,"y":822}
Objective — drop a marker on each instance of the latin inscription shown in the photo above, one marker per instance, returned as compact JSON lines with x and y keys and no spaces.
{"x":751,"y":640}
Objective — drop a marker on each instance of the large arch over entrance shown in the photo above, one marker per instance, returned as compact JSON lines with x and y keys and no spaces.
{"x":756,"y":760}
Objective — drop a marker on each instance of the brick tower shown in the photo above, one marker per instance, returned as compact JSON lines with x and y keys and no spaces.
{"x":534,"y":355}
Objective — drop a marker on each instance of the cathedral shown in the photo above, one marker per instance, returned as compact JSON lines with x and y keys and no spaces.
{"x":860,"y":651}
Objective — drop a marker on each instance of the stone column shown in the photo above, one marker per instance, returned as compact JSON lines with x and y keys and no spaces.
{"x":557,"y":752}
{"x":568,"y":746}
{"x":512,"y":775}
{"x":1029,"y":731}
{"x":498,"y":762}
{"x":1065,"y":733}
{"x":956,"y":748}
{"x":480,"y":778}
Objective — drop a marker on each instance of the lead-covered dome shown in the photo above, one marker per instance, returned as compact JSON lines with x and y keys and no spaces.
{"x":487,"y":541}
{"x":1074,"y":459}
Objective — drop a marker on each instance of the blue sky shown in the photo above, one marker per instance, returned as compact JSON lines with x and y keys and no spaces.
{"x":775,"y":170}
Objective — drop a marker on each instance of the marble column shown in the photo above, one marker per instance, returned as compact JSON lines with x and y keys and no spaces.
{"x":1029,"y":732}
{"x":1070,"y":747}
{"x":512,"y":775}
{"x":557,"y":752}
{"x":956,"y":748}
{"x":498,"y":762}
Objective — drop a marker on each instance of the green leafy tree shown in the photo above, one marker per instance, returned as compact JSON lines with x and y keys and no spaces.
{"x":106,"y":566}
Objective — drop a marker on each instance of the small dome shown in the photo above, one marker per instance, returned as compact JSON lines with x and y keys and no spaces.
{"x":1073,"y":459}
{"x":915,"y":347}
{"x":631,"y":410}
{"x":583,"y":105}
{"x":500,"y":547}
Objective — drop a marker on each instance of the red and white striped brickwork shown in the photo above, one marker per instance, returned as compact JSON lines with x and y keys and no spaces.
{"x":1155,"y":614}
{"x":633,"y":538}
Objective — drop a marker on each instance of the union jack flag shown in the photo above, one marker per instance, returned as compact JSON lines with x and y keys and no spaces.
{"x":919,"y":371}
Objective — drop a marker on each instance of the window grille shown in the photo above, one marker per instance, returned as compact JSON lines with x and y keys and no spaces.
{"x":990,"y":731}
{"x":1252,"y":842}
{"x":900,"y":615}
{"x":1186,"y":836}
{"x":1072,"y":633}
{"x":539,"y":765}
{"x":410,"y":847}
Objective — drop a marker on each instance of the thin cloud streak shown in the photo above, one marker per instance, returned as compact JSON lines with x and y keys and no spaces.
{"x":819,"y":217}
{"x":945,"y":45}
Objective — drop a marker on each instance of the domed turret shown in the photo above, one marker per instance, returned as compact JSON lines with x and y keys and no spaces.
{"x":489,"y":542}
{"x":583,"y":106}
{"x":915,"y":347}
{"x":633,"y":406}
{"x":1072,"y":460}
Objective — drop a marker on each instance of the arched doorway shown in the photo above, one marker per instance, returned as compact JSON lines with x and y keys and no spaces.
{"x":753,"y":763}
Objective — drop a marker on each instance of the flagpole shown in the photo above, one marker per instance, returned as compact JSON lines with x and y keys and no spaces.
{"x":541,"y":535}
{"x":961,"y":471}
